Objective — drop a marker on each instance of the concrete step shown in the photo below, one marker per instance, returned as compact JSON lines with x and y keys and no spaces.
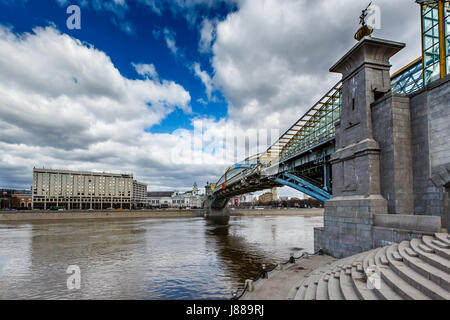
{"x":322,"y":287}
{"x":360,"y":286}
{"x":302,"y":289}
{"x":399,"y":278}
{"x":416,"y":269}
{"x":347,"y":289}
{"x":440,"y":244}
{"x":312,"y":288}
{"x":434,"y":274}
{"x":428,"y":241}
{"x":444,"y":237}
{"x":385,"y":291}
{"x":430,"y":258}
{"x":293,"y":291}
{"x":334,"y":289}
{"x":368,"y":259}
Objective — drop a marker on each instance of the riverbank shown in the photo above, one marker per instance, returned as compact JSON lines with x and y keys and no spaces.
{"x":12,"y":216}
{"x":94,"y":215}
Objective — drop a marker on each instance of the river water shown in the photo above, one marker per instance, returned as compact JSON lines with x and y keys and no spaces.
{"x":185,"y":258}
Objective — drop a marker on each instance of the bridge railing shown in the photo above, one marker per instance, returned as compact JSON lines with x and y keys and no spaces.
{"x":408,"y":79}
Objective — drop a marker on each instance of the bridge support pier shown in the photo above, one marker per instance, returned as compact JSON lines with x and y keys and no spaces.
{"x":209,"y":210}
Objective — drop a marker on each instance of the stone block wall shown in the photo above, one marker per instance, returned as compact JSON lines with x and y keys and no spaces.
{"x":348,"y":225}
{"x":391,"y":126}
{"x":430,"y":127}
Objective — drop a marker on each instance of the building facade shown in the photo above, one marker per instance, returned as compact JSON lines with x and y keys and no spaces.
{"x":81,"y":190}
{"x":159,"y":199}
{"x":174,"y":199}
{"x":243,"y":199}
{"x":139,"y":194}
{"x":22,"y":200}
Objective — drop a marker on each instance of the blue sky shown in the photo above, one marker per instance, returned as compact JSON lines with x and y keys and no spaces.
{"x":134,"y":33}
{"x":159,"y":88}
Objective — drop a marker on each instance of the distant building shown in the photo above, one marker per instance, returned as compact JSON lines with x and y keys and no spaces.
{"x":139,"y":194}
{"x":5,"y":198}
{"x":175,"y":199}
{"x":241,"y":199}
{"x":81,"y":190}
{"x":159,"y":199}
{"x":15,"y":199}
{"x":22,"y":200}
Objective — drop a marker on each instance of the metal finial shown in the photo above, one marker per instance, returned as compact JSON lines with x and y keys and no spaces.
{"x":363,"y":16}
{"x":364,"y":30}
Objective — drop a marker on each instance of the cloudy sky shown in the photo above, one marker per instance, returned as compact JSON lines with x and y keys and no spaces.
{"x":158,"y":88}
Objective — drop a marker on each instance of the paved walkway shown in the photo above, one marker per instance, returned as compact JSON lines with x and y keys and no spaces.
{"x":281,"y":283}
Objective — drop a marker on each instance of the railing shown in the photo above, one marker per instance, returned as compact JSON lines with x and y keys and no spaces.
{"x":408,"y":79}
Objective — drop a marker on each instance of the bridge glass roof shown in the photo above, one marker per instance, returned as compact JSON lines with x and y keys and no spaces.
{"x":315,"y":126}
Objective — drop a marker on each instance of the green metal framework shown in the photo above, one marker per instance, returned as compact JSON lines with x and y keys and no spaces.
{"x":435,"y":39}
{"x":447,"y":33}
{"x":430,"y":41}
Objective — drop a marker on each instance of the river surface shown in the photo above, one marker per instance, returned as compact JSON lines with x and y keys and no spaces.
{"x":183,"y":258}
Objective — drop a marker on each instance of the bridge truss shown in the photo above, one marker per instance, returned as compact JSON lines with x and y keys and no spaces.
{"x":300,"y":157}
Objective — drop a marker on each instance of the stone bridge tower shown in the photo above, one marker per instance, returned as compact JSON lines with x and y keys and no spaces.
{"x":372,"y":166}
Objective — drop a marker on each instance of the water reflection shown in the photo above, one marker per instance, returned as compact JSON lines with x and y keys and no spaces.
{"x":192,"y":258}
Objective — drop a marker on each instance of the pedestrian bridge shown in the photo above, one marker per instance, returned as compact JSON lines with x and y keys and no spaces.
{"x":300,"y":158}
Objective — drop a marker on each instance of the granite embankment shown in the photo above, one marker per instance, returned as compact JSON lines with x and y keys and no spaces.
{"x":93,"y":215}
{"x":34,"y":215}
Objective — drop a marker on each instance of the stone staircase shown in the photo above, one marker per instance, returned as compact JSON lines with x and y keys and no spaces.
{"x":418,"y":269}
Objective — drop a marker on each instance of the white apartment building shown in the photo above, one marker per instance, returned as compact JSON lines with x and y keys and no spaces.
{"x":139,"y":194}
{"x":81,"y":190}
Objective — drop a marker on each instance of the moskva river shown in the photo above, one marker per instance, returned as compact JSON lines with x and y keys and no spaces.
{"x":186,"y":258}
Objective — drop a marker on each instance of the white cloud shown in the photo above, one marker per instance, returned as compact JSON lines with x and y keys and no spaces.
{"x":146,"y":70}
{"x":63,"y":104}
{"x":206,"y":79}
{"x":271,"y":60}
{"x":169,"y":37}
{"x":207,"y":35}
